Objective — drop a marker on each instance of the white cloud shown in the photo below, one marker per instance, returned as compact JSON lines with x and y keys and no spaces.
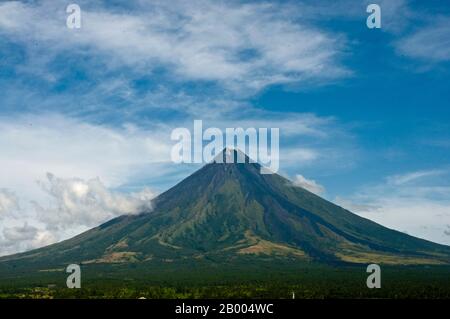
{"x":290,"y":124}
{"x":308,"y":184}
{"x":413,"y":176}
{"x":23,"y":233}
{"x":430,"y":43}
{"x":297,"y":155}
{"x":354,"y":207}
{"x":87,"y":203}
{"x":24,"y":237}
{"x":72,"y":206}
{"x":34,"y":145}
{"x":413,"y":202}
{"x":242,"y":46}
{"x":8,"y":202}
{"x":420,"y":217}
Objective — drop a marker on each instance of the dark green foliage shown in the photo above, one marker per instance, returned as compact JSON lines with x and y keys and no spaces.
{"x":249,"y":279}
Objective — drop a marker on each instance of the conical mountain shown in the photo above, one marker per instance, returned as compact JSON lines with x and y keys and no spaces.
{"x":229,"y":210}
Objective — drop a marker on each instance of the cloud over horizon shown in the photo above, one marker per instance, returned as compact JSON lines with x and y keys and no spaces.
{"x":71,"y":205}
{"x":415,"y":202}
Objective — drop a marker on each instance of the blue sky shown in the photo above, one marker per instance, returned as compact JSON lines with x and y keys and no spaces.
{"x":86,"y":114}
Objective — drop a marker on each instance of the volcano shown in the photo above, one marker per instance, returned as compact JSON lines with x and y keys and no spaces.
{"x":231,"y":210}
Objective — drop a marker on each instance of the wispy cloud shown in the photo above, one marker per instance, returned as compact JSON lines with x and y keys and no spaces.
{"x":416,"y":202}
{"x":413,"y":176}
{"x":242,"y":46}
{"x":69,"y":147}
{"x":355,"y":206}
{"x":430,"y":44}
{"x":308,"y":184}
{"x":9,"y":202}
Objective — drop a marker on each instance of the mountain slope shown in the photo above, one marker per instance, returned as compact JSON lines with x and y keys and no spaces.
{"x":231,"y":210}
